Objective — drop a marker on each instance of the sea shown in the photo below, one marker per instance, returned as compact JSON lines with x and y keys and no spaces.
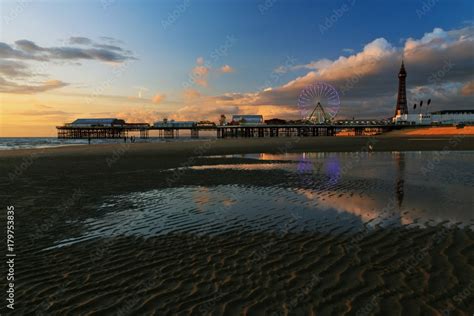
{"x":10,"y":143}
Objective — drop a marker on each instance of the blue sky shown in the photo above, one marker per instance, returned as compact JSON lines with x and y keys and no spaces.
{"x":166,"y":49}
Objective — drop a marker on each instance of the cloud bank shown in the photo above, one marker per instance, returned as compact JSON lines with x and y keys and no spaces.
{"x":16,"y":76}
{"x":28,"y":50}
{"x":12,"y":87}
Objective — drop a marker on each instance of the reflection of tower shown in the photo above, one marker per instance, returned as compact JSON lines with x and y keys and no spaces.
{"x":400,"y":187}
{"x":402,"y":107}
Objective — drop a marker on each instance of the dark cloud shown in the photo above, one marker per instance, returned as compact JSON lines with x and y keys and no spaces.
{"x":106,"y":55}
{"x":78,"y":40}
{"x":28,"y":46}
{"x":108,"y":47}
{"x":75,"y":53}
{"x":29,"y":50}
{"x":13,"y":69}
{"x":13,"y":87}
{"x":110,"y":40}
{"x":110,"y":43}
{"x":68,"y":53}
{"x":8,"y":52}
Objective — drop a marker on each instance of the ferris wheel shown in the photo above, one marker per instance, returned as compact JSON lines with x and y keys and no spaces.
{"x":321,"y":101}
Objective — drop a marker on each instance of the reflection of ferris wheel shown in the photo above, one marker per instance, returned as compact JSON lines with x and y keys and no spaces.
{"x":322,"y":100}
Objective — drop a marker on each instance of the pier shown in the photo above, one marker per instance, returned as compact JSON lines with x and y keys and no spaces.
{"x":101,"y":128}
{"x":225,"y":131}
{"x":302,"y":130}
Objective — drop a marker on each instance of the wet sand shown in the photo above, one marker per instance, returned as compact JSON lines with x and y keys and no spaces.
{"x":433,"y":131}
{"x":392,"y":141}
{"x":397,"y":271}
{"x":389,"y":272}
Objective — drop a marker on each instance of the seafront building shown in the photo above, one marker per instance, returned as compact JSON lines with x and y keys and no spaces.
{"x":445,"y":117}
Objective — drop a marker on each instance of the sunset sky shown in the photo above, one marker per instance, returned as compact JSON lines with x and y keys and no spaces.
{"x":195,"y":60}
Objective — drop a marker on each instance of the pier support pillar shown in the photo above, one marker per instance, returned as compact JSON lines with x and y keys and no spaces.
{"x":168,"y":133}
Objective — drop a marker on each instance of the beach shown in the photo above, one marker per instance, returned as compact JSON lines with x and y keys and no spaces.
{"x":139,"y":228}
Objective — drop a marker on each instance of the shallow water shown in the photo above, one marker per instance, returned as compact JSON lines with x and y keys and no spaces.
{"x":335,"y":193}
{"x":10,"y":143}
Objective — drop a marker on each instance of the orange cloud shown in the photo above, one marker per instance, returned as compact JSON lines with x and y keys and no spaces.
{"x":140,"y":115}
{"x":191,"y":94}
{"x":200,"y":73}
{"x":468,"y":88}
{"x":158,"y":98}
{"x":226,"y":69}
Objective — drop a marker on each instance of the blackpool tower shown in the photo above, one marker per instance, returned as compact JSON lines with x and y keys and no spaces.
{"x":402,"y":107}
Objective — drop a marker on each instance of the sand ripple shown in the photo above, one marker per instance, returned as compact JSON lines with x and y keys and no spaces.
{"x":226,"y":241}
{"x":254,"y":274}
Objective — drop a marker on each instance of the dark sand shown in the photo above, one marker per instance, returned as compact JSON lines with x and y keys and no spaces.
{"x":237,"y":273}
